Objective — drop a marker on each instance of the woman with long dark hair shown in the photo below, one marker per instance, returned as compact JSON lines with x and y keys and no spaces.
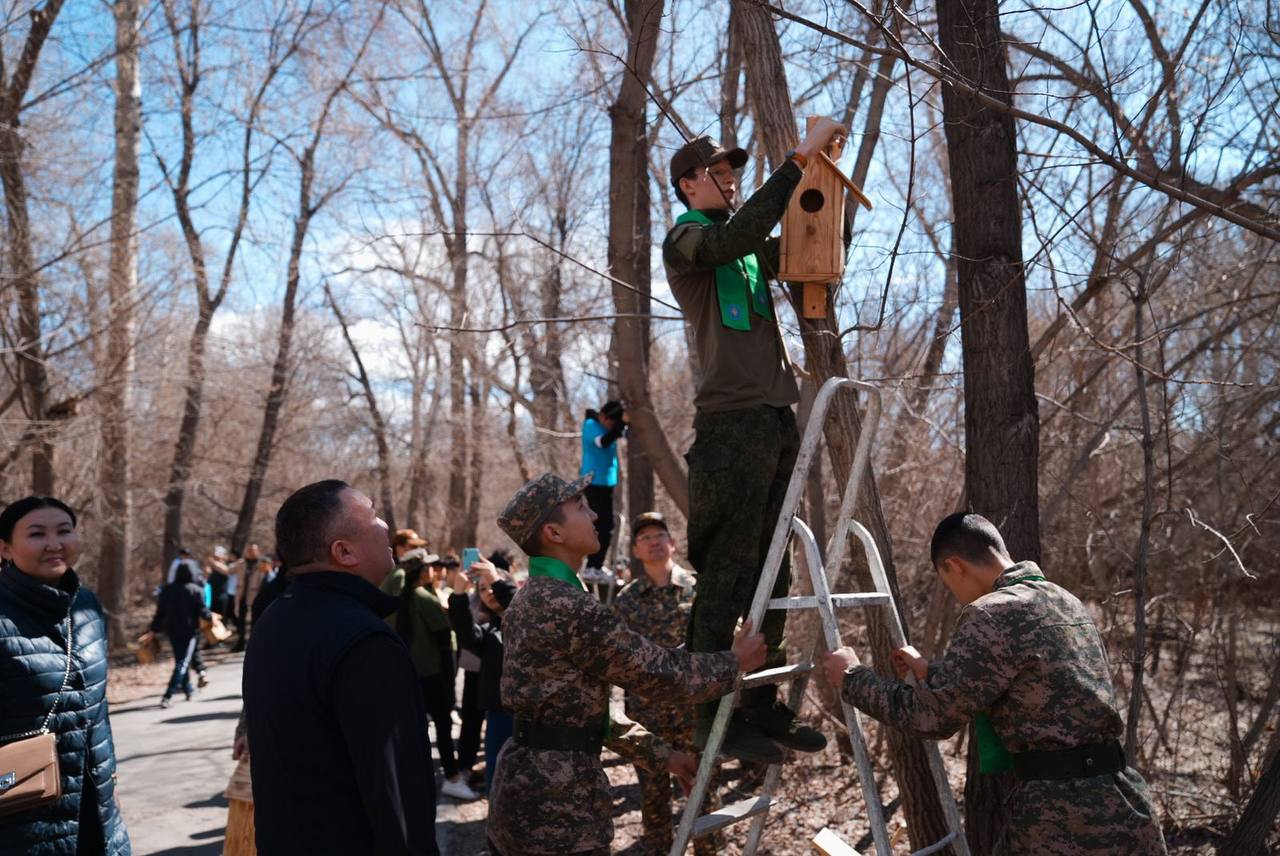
{"x":53,"y":680}
{"x":423,"y":625}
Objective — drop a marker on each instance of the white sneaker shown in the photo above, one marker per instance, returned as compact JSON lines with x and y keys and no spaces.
{"x":458,"y":790}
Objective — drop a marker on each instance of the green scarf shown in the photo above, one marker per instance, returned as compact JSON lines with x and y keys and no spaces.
{"x":545,"y":566}
{"x":738,"y":284}
{"x":992,"y":756}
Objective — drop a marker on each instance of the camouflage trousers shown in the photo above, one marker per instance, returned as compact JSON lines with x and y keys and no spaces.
{"x":1107,"y":815}
{"x":739,"y":467}
{"x":656,"y":791}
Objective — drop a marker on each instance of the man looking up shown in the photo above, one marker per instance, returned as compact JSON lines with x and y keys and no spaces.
{"x":341,"y":760}
{"x":563,"y":650}
{"x":656,"y":605}
{"x":1027,"y":663}
{"x":719,"y":264}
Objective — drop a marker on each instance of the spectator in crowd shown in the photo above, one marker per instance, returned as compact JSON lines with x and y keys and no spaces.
{"x":484,"y":639}
{"x":421,"y":622}
{"x":405,"y":544}
{"x":178,"y":613}
{"x":235,"y":566}
{"x":217,"y":577}
{"x":184,"y":557}
{"x":274,"y":582}
{"x":600,"y":432}
{"x":53,"y":680}
{"x":334,"y":711}
{"x":656,"y":605}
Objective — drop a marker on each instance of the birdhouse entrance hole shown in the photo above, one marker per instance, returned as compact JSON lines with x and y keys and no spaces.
{"x":812,"y":200}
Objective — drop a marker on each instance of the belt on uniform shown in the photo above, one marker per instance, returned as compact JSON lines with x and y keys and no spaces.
{"x":1080,"y":762}
{"x":559,"y":738}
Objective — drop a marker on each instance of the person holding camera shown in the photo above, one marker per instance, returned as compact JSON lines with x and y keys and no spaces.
{"x":601,"y":430}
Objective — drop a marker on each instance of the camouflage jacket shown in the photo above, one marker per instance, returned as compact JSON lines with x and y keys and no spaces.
{"x":661,"y":615}
{"x":563,"y":651}
{"x":1028,"y":653}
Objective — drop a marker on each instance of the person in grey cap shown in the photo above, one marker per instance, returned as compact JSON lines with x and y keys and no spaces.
{"x":563,"y":650}
{"x":719,"y":264}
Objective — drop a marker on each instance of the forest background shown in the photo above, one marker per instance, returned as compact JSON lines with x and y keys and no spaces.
{"x":250,"y":245}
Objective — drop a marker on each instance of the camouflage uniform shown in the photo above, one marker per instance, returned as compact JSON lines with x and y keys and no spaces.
{"x":563,"y":650}
{"x":1030,"y":655}
{"x":661,"y":615}
{"x":746,"y":438}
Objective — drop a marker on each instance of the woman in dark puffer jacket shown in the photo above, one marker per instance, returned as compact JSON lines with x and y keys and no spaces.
{"x":38,"y":589}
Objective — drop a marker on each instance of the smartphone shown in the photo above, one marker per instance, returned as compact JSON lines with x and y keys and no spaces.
{"x":469,"y":556}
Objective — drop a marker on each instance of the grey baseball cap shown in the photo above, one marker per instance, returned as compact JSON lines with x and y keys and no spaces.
{"x":529,"y":508}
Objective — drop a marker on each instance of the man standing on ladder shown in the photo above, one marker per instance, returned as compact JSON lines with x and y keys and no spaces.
{"x":719,"y":264}
{"x":1028,"y":665}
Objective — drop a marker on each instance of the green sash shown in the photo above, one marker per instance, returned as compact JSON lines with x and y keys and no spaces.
{"x":992,"y":756}
{"x":739,"y":284}
{"x":545,"y":566}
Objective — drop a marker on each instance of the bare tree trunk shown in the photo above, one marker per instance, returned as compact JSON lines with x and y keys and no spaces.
{"x":456,"y":511}
{"x":387,"y":511}
{"x":824,"y":358}
{"x":113,"y":471}
{"x":308,"y":206}
{"x":1257,"y":824}
{"x":1136,"y":690}
{"x":32,"y":374}
{"x":1002,"y":423}
{"x":630,"y":245}
{"x":187,"y":61}
{"x":479,"y":393}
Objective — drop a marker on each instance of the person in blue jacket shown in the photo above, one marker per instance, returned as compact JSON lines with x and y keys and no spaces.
{"x":40,"y":598}
{"x":600,"y":433}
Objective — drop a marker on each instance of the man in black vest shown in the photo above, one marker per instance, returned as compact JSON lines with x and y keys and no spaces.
{"x":341,"y":757}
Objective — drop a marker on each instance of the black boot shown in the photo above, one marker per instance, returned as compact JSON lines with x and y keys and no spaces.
{"x":778,"y":722}
{"x":743,"y":740}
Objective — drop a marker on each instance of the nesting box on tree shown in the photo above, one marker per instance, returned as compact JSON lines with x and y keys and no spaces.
{"x":812,"y":250}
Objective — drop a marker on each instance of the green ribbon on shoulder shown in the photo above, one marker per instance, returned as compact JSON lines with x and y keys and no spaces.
{"x":740,"y":288}
{"x":545,"y":566}
{"x":993,"y":757}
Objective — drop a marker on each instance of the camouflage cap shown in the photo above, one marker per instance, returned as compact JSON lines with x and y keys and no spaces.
{"x":703,"y":151}
{"x":645,"y":520}
{"x":532,"y":504}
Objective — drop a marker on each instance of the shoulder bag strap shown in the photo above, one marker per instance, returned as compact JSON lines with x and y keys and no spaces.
{"x":66,"y":679}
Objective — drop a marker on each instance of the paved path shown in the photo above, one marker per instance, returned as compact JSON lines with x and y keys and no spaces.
{"x":174,"y":764}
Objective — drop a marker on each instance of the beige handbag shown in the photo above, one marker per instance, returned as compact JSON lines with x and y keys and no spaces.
{"x":29,"y":771}
{"x":213,"y":630}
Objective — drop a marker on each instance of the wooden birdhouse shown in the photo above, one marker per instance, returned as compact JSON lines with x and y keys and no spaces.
{"x":812,"y":250}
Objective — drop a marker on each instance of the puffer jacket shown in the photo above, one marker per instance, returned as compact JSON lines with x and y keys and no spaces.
{"x":32,"y":663}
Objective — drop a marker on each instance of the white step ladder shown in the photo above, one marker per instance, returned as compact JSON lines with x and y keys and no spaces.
{"x":757,"y":808}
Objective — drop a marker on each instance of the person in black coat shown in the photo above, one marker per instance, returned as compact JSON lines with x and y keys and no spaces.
{"x":336,"y":725}
{"x":178,"y":614}
{"x":485,"y":640}
{"x":40,"y":596}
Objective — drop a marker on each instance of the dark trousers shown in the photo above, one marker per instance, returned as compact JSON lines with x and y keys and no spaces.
{"x":472,"y":720}
{"x":185,"y":652}
{"x":498,"y":728}
{"x":437,"y":696}
{"x":739,"y":467}
{"x":601,"y":501}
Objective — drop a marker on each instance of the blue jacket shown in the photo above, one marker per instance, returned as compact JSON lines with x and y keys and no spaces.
{"x":32,"y":661}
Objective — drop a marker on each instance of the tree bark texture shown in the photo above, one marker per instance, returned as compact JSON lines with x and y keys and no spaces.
{"x":630,"y":246}
{"x":460,"y":534}
{"x":113,"y":455}
{"x":32,"y":374}
{"x":1002,"y":423}
{"x":1257,"y":824}
{"x":775,"y":120}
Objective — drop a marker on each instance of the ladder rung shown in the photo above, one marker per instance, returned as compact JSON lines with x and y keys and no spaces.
{"x":776,"y":676}
{"x":869,"y":598}
{"x":730,"y":814}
